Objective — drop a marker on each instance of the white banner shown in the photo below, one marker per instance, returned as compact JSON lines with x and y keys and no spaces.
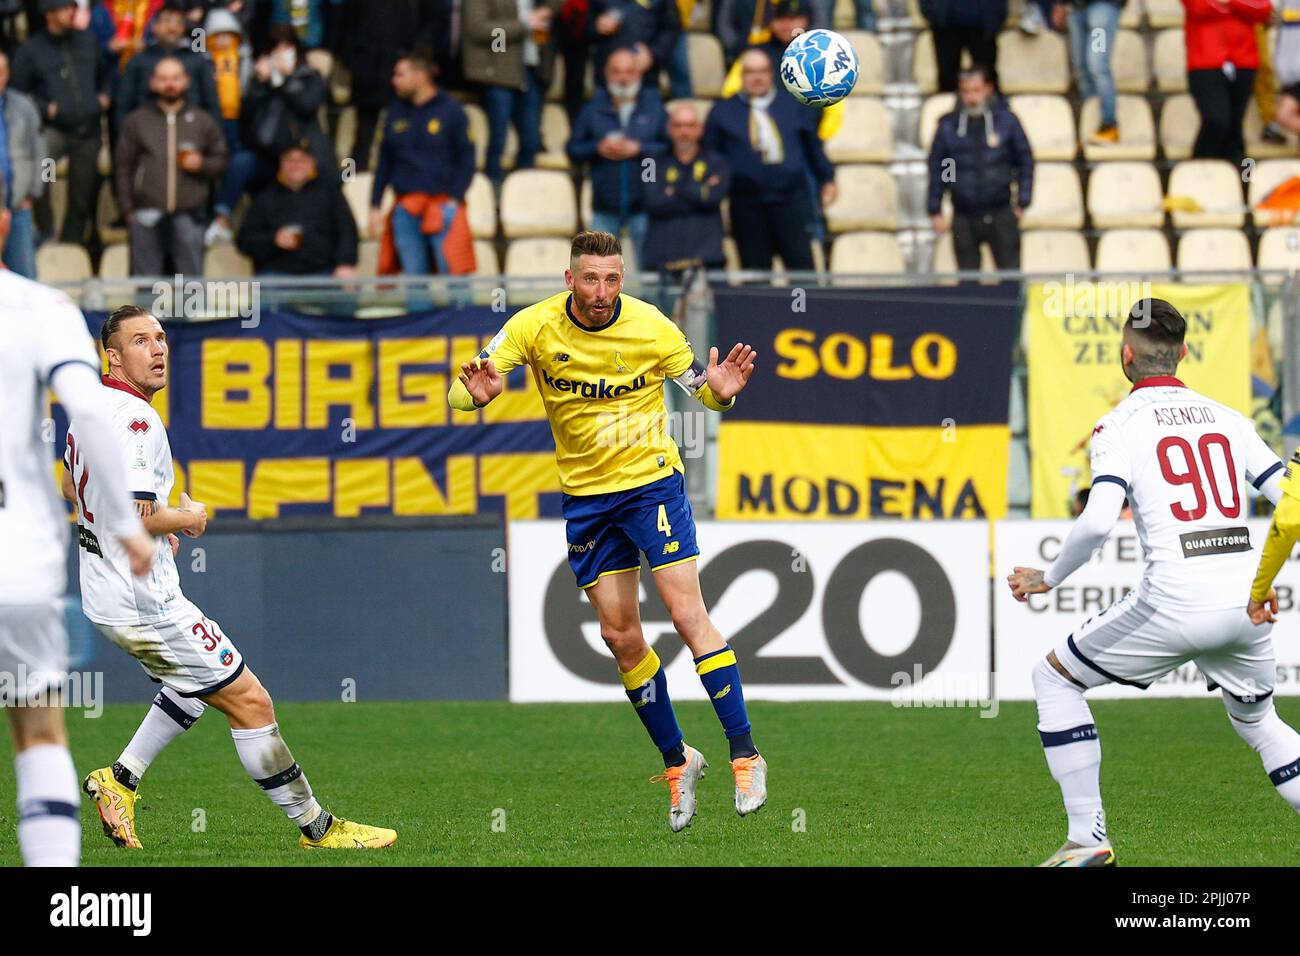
{"x":1025,"y":633}
{"x":814,"y":611}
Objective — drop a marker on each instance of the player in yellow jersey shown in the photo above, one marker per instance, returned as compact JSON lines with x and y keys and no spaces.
{"x":600,"y":359}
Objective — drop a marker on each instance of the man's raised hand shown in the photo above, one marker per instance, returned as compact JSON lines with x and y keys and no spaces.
{"x":729,"y":376}
{"x":482,"y":380}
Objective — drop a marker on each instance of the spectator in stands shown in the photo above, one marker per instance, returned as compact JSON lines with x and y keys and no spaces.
{"x":684,"y":200}
{"x":62,"y":70}
{"x":300,"y":225}
{"x":507,"y":47}
{"x":232,"y":68}
{"x":769,"y":142}
{"x":169,"y":39}
{"x":649,"y":28}
{"x":1092,"y":25}
{"x":169,"y":153}
{"x":1037,"y":14}
{"x":1286,"y":62}
{"x":574,"y":42}
{"x":307,"y":18}
{"x":131,"y":24}
{"x":1221,"y":61}
{"x":617,"y":132}
{"x":428,"y":159}
{"x":370,"y":48}
{"x":979,"y":149}
{"x":745,"y":23}
{"x":20,"y":136}
{"x":281,"y":107}
{"x":958,"y":25}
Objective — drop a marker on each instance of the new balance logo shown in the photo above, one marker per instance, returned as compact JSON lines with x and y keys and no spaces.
{"x":597,"y":390}
{"x":671,"y":547}
{"x":722,"y":693}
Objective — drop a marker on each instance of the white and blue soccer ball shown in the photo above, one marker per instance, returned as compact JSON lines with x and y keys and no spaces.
{"x":819,"y":67}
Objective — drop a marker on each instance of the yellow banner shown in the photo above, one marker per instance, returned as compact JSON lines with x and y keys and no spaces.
{"x":1074,"y":339}
{"x":784,"y":471}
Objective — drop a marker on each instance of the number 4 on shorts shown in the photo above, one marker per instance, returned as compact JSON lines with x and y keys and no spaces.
{"x":664,"y":526}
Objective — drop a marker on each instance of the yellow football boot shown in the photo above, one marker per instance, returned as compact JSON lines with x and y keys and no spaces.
{"x":346,"y":835}
{"x":116,"y":806}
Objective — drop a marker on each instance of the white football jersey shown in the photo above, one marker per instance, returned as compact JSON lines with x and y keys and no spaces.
{"x":1184,"y":460}
{"x":40,"y":329}
{"x":110,"y":594}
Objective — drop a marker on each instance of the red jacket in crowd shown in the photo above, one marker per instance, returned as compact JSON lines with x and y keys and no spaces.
{"x":1219,"y":31}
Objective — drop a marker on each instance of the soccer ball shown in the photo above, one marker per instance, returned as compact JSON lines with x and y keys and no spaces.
{"x":819,"y":67}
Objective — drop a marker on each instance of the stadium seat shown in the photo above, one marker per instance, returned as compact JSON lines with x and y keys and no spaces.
{"x":115,"y":263}
{"x":584,"y":206}
{"x":1057,"y":202}
{"x":1054,"y":251}
{"x":1163,"y":13}
{"x":708,"y":68}
{"x":1129,"y":62}
{"x":1133,"y":250}
{"x":868,"y":199}
{"x":345,"y":132}
{"x":945,"y":258}
{"x":1209,"y":250}
{"x":538,"y":202}
{"x":845,"y":15}
{"x":1137,"y":130}
{"x":322,"y":61}
{"x":1179,"y":123}
{"x":224,"y":261}
{"x":925,"y":70}
{"x":368,"y":258}
{"x":1215,"y":185}
{"x":932,"y":110}
{"x":555,"y":136}
{"x":1124,"y":194}
{"x":1131,"y":17}
{"x":1265,"y":177}
{"x":62,"y":262}
{"x":478,"y":135}
{"x":1170,"y":55}
{"x":867,"y":253}
{"x":1279,"y":249}
{"x":357,"y":193}
{"x":1039,"y":64}
{"x":1256,"y":146}
{"x":864,"y":135}
{"x":106,"y":214}
{"x":871,"y":63}
{"x":537,"y":257}
{"x":1049,"y":125}
{"x":485,"y":258}
{"x":481,"y":206}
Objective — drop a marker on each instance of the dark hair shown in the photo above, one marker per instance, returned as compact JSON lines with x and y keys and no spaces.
{"x":421,"y":60}
{"x":1157,"y":321}
{"x":592,"y":243}
{"x":283,"y":33}
{"x":115,"y":320}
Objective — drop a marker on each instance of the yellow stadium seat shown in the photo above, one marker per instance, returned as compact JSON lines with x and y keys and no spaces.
{"x":934,"y":108}
{"x":1279,"y":249}
{"x":1125,"y":194}
{"x":1049,"y":125}
{"x":485,"y":258}
{"x":1128,"y":62}
{"x":356,"y":191}
{"x":481,"y":207}
{"x":871,"y":62}
{"x":1164,"y":13}
{"x":867,"y":253}
{"x":1131,"y":17}
{"x":708,"y":69}
{"x":537,"y":257}
{"x":1170,"y":55}
{"x":1039,"y":64}
{"x":868,"y":199}
{"x":62,"y":262}
{"x":864,"y":135}
{"x":224,"y":261}
{"x":1054,"y":251}
{"x":1133,"y":250}
{"x":115,"y":263}
{"x":1267,"y":175}
{"x":538,"y":202}
{"x":555,"y":136}
{"x":1215,"y":185}
{"x":1210,"y":250}
{"x":1179,"y":123}
{"x":1057,"y":202}
{"x":1137,"y":130}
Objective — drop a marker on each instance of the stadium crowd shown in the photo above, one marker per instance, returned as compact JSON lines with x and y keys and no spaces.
{"x":220,"y":121}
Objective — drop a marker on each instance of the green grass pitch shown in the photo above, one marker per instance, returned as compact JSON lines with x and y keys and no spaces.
{"x":851,"y":783}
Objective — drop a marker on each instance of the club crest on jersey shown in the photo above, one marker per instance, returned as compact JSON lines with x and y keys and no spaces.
{"x":139,"y":426}
{"x":619,"y":364}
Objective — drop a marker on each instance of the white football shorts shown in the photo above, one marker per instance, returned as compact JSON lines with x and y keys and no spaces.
{"x":185,"y":651}
{"x":33,"y":651}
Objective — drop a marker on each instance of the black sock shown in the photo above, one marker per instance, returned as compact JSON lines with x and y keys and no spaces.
{"x":316,"y":829}
{"x":125,"y":777}
{"x":675,"y":757}
{"x":742,"y":746}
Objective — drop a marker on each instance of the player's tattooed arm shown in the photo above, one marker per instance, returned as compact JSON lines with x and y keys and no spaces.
{"x":1026,"y":581}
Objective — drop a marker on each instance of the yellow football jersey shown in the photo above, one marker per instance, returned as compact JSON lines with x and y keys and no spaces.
{"x":603,"y":388}
{"x":1283,"y":531}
